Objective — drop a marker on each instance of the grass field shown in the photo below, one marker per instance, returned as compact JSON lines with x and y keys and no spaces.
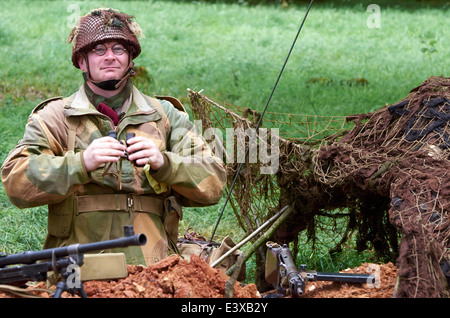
{"x":234,"y":53}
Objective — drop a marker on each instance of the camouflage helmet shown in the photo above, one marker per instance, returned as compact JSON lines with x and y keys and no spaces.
{"x":102,"y":25}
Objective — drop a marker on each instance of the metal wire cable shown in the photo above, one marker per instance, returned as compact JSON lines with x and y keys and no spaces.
{"x":260,"y":120}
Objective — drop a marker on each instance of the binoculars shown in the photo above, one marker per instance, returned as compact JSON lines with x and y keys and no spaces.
{"x":129,"y":135}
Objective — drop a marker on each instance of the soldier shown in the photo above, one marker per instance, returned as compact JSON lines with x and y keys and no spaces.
{"x":75,"y":156}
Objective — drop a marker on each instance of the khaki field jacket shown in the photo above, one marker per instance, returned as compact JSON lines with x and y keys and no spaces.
{"x":46,"y":168}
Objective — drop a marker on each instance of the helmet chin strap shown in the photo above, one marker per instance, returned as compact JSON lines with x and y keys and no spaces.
{"x":109,"y":85}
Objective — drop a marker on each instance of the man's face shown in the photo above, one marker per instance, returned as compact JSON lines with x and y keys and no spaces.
{"x":111,"y":65}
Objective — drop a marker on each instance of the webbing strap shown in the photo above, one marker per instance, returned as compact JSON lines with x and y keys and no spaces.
{"x":72,"y":124}
{"x":120,"y":202}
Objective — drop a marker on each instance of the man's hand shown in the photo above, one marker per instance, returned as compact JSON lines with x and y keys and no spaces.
{"x":102,"y":150}
{"x":143,"y":150}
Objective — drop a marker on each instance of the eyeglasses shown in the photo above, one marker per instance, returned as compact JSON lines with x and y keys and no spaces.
{"x":101,"y":49}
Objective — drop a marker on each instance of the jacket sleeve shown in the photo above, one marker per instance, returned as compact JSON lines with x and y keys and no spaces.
{"x":39,"y":171}
{"x":190,"y":168}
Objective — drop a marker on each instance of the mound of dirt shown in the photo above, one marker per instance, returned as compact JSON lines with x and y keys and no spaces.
{"x":169,"y":278}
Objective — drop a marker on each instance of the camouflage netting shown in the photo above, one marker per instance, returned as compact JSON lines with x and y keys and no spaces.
{"x":386,"y":174}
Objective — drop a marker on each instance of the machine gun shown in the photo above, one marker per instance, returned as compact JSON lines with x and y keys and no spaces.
{"x":36,"y":264}
{"x":282,"y":272}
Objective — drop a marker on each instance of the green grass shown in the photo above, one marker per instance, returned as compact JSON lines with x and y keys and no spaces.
{"x":234,"y":52}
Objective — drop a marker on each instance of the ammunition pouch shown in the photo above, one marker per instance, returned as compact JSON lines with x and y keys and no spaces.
{"x":172,"y":215}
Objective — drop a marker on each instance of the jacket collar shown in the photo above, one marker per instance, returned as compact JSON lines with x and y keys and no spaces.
{"x":79,"y":104}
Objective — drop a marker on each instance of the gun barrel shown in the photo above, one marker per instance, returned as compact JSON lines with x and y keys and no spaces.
{"x":344,"y":277}
{"x":29,"y":257}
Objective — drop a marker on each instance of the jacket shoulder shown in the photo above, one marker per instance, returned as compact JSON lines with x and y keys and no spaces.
{"x":175,"y":102}
{"x":45,"y":102}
